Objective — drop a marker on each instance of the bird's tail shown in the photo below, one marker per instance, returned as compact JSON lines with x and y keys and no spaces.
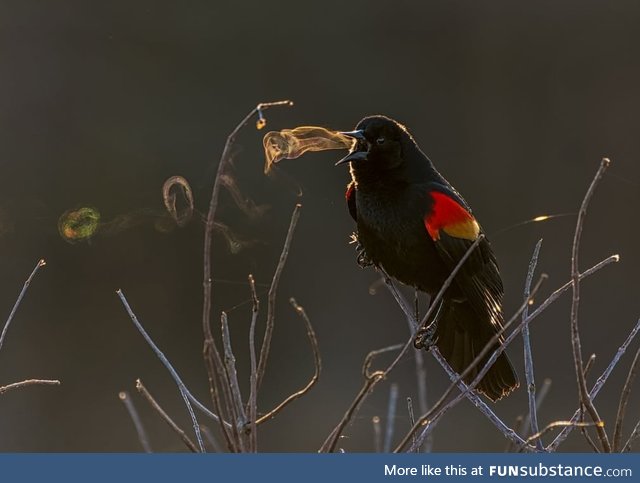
{"x":461,"y":336}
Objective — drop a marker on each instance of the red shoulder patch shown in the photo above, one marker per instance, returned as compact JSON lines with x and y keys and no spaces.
{"x":451,"y":217}
{"x":349,"y":192}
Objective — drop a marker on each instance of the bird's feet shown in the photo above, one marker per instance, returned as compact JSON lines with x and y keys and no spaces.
{"x":361,"y":258}
{"x":425,"y":337}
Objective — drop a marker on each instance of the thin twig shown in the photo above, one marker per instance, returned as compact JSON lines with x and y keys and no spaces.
{"x":41,"y":263}
{"x":635,"y":434}
{"x":583,"y":392}
{"x":598,"y":385}
{"x":582,"y":425}
{"x":28,"y":382}
{"x":557,"y":424}
{"x":624,"y":399}
{"x":589,"y":364}
{"x":230,"y":367}
{"x":135,"y":418}
{"x":311,"y":334}
{"x":271,"y":299}
{"x":377,"y":434}
{"x":528,"y":356}
{"x":540,"y":397}
{"x":208,"y":436}
{"x":391,"y":417}
{"x":412,"y":417}
{"x":231,"y":389}
{"x":252,"y":404}
{"x":184,"y":392}
{"x":165,"y":417}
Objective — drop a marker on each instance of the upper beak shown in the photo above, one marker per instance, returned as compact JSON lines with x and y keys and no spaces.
{"x":354,"y":155}
{"x":354,"y":134}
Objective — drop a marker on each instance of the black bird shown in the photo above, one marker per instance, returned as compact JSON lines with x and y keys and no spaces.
{"x":416,"y":226}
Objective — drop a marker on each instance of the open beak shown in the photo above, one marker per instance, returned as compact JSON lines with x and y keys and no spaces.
{"x":354,"y":155}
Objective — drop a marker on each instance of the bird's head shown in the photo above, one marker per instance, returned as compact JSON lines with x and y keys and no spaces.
{"x":379,"y":143}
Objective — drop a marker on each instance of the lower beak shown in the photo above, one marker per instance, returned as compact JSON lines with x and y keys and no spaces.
{"x":353,"y":156}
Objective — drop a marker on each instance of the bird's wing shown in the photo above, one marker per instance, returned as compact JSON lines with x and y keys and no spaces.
{"x":453,"y":229}
{"x":350,"y":196}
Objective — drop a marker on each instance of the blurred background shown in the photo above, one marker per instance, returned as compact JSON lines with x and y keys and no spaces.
{"x":100,"y":102}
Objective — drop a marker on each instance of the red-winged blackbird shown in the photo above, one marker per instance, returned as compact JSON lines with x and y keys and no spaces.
{"x":416,"y":226}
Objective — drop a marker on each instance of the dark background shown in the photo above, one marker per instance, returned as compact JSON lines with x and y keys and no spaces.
{"x":100,"y":102}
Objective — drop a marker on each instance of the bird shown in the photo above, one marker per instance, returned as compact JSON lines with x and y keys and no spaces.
{"x":412,"y":223}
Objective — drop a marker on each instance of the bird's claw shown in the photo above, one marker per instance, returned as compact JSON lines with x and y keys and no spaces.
{"x":425,"y":337}
{"x":362,"y":259}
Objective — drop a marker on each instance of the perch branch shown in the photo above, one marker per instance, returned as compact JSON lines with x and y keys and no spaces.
{"x":372,"y":379}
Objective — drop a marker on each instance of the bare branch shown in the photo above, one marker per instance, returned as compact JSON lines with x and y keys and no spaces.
{"x":186,"y":395}
{"x":598,"y":385}
{"x":412,"y":419}
{"x":635,"y":434}
{"x":311,"y":334}
{"x":271,"y":300}
{"x":41,"y":263}
{"x":528,"y":356}
{"x":28,"y":382}
{"x":377,"y":434}
{"x":575,"y":333}
{"x":135,"y":418}
{"x":232,"y":375}
{"x":542,"y":394}
{"x":557,"y":424}
{"x":165,"y":417}
{"x":391,"y":417}
{"x":624,"y":399}
{"x":252,"y":404}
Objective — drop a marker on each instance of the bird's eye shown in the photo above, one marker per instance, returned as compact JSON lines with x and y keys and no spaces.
{"x":380,"y":140}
